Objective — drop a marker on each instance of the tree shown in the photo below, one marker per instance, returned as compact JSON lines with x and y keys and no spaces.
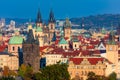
{"x":112,"y":76}
{"x":22,"y":70}
{"x":26,"y":72}
{"x":6,"y":71}
{"x":12,"y":73}
{"x":91,"y":76}
{"x":53,"y":72}
{"x":7,"y":78}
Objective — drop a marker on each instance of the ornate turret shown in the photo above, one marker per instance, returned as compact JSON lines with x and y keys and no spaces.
{"x":30,"y":38}
{"x":67,"y":23}
{"x":112,"y":37}
{"x":51,"y":17}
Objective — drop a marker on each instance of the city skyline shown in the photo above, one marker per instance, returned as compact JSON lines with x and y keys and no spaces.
{"x":61,"y":9}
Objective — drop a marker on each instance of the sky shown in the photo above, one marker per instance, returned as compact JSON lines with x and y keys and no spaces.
{"x":61,"y":8}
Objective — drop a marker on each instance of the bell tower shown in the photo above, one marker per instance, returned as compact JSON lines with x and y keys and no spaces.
{"x":67,"y":28}
{"x":112,"y":50}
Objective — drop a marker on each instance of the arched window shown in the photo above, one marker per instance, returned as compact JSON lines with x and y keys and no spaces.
{"x":51,"y":26}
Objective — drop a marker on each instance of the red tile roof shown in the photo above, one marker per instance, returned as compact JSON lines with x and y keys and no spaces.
{"x":76,"y":61}
{"x":92,"y":61}
{"x":2,"y":48}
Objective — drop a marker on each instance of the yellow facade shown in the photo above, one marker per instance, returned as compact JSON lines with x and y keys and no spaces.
{"x":85,"y":67}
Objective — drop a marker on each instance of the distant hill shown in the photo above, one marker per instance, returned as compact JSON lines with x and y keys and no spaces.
{"x":97,"y":21}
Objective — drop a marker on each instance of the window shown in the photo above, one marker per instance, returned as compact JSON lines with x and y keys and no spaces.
{"x":65,"y":47}
{"x":75,"y":45}
{"x":13,"y":48}
{"x":62,"y":47}
{"x":51,"y":26}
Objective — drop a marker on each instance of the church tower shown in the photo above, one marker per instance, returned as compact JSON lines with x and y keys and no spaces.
{"x":112,"y":50}
{"x":39,"y":19}
{"x":31,"y":51}
{"x":67,"y":28}
{"x":51,"y":25}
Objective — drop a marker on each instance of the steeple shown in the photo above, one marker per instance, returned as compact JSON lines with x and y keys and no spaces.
{"x":51,"y":17}
{"x":39,"y":18}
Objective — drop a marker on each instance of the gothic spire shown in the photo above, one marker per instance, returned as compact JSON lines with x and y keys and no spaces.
{"x":39,"y":18}
{"x":51,"y":17}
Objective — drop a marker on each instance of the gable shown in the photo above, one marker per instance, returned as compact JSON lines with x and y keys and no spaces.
{"x":101,"y":47}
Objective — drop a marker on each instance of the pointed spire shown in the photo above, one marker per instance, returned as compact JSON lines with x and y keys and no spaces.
{"x":51,"y":17}
{"x":39,"y":18}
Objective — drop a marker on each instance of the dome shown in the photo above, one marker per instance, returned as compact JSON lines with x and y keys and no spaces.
{"x":63,"y":41}
{"x":16,"y":40}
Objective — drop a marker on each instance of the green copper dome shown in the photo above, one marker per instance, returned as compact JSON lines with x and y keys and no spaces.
{"x":39,"y":29}
{"x":16,"y":40}
{"x":63,"y":41}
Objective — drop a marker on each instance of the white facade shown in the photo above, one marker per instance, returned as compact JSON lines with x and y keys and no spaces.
{"x":54,"y":58}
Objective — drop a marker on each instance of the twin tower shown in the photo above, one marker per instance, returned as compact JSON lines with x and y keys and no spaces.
{"x":46,"y":33}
